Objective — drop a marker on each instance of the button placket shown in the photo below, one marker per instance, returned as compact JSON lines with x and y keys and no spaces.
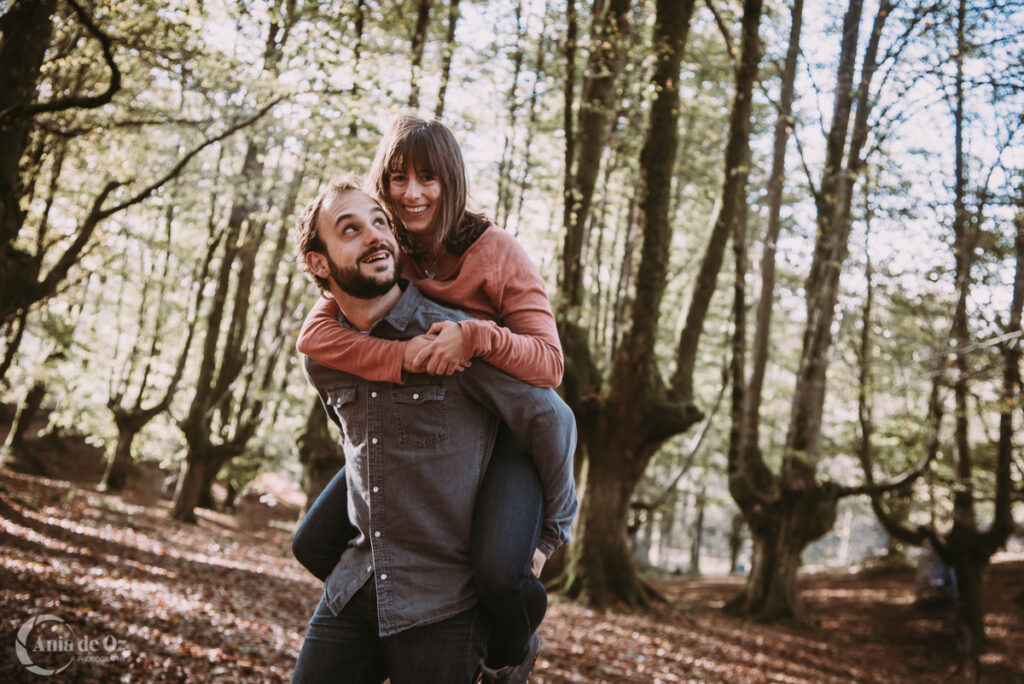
{"x":374,"y":427}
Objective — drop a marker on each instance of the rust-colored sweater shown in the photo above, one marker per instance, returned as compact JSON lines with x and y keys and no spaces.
{"x":494,"y":281}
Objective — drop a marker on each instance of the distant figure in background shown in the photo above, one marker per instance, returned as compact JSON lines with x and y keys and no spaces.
{"x":401,"y":601}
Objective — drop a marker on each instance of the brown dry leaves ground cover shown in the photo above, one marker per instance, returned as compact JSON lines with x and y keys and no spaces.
{"x":223,"y":601}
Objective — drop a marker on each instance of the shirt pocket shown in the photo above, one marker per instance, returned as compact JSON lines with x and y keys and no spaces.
{"x":421,"y":415}
{"x":342,"y":400}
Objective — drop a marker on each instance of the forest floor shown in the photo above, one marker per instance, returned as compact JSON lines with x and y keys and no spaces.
{"x":151,"y":599}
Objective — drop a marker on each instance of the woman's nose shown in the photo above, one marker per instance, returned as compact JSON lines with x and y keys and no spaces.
{"x":413,"y":189}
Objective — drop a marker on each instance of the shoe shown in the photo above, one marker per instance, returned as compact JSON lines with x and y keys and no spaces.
{"x":513,"y":674}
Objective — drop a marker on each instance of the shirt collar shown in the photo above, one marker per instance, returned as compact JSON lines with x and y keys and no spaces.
{"x":401,"y":313}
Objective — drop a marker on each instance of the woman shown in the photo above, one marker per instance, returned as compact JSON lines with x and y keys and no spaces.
{"x":460,"y":258}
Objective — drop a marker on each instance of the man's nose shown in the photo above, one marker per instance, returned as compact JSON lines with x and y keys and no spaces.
{"x":376,"y":234}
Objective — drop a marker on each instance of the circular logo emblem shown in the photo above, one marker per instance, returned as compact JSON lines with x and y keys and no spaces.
{"x":45,"y":645}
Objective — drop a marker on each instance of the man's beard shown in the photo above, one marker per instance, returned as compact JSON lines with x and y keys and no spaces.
{"x":353,"y":282}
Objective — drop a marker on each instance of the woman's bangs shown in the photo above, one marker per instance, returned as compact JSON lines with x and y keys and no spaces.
{"x":416,"y":149}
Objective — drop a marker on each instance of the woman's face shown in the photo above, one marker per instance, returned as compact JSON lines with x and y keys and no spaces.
{"x":416,"y":200}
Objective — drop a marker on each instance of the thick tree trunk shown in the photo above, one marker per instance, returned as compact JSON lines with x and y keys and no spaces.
{"x":970,"y":611}
{"x":779,"y":537}
{"x":190,"y":487}
{"x":599,"y":564}
{"x":25,"y":30}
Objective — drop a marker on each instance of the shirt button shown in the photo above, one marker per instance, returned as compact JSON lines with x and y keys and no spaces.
{"x":416,"y":396}
{"x":384,"y":576}
{"x":373,"y":394}
{"x":374,"y":440}
{"x":377,"y":533}
{"x":376,"y":489}
{"x":369,"y":568}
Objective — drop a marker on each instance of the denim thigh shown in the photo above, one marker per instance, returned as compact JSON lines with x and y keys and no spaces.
{"x":344,"y":647}
{"x":445,"y":652}
{"x":506,"y":529}
{"x":325,"y":530}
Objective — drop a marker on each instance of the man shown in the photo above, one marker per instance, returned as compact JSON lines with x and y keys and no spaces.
{"x":400,"y":602}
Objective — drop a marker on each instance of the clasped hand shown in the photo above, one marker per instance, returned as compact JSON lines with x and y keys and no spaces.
{"x":439,"y":351}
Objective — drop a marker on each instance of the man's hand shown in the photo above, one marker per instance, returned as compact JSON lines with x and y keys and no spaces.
{"x":539,"y":559}
{"x":445,"y":354}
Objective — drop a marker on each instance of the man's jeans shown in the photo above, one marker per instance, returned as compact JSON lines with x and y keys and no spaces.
{"x":347,"y":648}
{"x":506,"y":528}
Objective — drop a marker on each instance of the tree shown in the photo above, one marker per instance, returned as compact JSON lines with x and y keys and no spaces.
{"x":979,"y":474}
{"x":130,"y":415}
{"x":621,"y":429}
{"x":786,"y":511}
{"x":27,"y":30}
{"x":222,"y":417}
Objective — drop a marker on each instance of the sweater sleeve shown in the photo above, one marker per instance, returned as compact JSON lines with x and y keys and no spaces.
{"x":324,"y":340}
{"x":526,"y":346}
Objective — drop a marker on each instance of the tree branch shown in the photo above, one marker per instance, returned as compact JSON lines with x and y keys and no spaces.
{"x":97,"y":213}
{"x":89,"y":101}
{"x":724,"y":29}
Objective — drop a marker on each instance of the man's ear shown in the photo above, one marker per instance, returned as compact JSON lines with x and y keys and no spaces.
{"x":317,"y":263}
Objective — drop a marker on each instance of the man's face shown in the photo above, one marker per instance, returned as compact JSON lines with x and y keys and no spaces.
{"x":362,"y":254}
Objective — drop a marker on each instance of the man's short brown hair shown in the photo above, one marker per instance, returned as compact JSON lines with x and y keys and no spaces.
{"x":307,"y":238}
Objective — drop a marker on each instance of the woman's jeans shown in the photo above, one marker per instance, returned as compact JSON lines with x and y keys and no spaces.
{"x":346,"y":647}
{"x":506,"y":530}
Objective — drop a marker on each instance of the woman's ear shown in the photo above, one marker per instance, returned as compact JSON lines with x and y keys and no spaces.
{"x":317,"y":264}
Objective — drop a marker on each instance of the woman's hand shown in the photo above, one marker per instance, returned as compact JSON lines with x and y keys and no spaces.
{"x":538,"y":562}
{"x":443,"y":353}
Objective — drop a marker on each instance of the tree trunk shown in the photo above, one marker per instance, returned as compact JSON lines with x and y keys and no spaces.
{"x":599,"y":564}
{"x":319,"y":454}
{"x":446,"y":60}
{"x":119,"y":460}
{"x":187,"y":495}
{"x":779,"y":537}
{"x":417,"y":44}
{"x":697,"y":536}
{"x":970,"y":611}
{"x":735,"y":541}
{"x":25,"y":31}
{"x":15,"y":454}
{"x":609,"y":31}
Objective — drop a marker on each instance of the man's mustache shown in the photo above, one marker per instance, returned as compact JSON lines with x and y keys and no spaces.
{"x":381,"y":246}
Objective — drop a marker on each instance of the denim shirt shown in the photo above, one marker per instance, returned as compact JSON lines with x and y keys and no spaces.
{"x":416,"y":454}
